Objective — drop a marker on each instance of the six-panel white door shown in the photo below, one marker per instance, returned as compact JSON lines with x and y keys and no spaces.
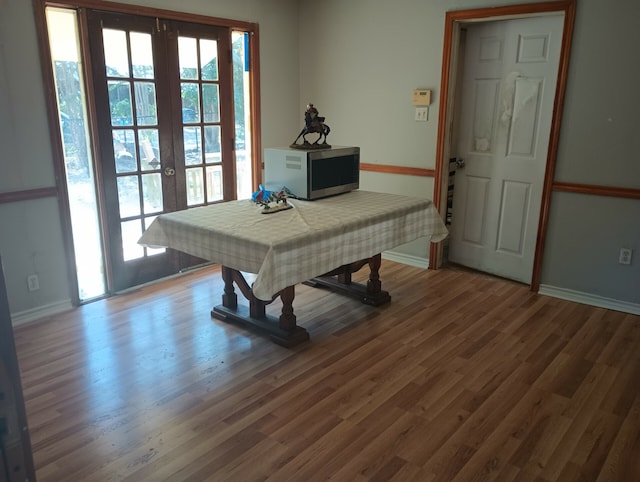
{"x":508,"y":88}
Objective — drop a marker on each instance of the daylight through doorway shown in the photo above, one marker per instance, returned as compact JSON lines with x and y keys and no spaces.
{"x":89,"y":232}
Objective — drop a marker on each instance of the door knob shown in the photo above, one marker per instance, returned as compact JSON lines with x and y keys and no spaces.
{"x":459,"y":163}
{"x":169,"y":171}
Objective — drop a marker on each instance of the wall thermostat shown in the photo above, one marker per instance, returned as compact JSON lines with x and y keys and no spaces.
{"x":422,"y":97}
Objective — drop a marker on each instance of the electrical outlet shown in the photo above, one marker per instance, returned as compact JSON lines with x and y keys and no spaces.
{"x":33,"y":282}
{"x":625,"y":256}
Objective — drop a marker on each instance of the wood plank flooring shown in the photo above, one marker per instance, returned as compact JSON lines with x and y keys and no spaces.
{"x":462,"y":377}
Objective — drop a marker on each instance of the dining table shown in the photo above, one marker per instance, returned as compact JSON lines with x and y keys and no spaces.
{"x":320,"y":242}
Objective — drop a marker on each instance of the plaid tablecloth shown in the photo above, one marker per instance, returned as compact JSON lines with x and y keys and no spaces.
{"x":292,"y":246}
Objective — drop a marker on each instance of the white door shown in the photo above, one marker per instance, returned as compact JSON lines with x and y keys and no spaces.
{"x":507,"y":93}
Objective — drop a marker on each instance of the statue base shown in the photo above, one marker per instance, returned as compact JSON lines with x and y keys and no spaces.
{"x":277,"y":208}
{"x":307,"y":146}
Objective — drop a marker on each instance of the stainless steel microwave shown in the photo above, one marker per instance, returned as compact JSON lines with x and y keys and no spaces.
{"x":312,"y":173}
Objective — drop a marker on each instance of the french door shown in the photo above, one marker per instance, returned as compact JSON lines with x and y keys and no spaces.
{"x":164,"y":113}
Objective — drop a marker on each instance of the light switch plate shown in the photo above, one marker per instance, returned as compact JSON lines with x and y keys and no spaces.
{"x":422,"y":114}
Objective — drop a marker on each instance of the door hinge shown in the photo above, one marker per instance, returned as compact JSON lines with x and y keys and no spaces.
{"x":159,"y":27}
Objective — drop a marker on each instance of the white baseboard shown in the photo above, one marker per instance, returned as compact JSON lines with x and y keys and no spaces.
{"x":34,"y":314}
{"x":589,"y":299}
{"x":408,"y":259}
{"x":40,"y":312}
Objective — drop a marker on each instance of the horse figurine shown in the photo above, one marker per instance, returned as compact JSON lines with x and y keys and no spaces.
{"x":313,"y":123}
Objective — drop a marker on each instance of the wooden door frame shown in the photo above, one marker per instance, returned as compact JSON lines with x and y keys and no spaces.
{"x":453,"y":24}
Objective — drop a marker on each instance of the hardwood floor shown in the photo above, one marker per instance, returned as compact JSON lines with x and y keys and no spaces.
{"x":461,"y":377}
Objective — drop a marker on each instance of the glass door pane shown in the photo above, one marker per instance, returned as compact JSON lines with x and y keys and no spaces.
{"x":136,"y":145}
{"x":242,"y":113}
{"x":201,"y":122}
{"x":134,"y":130}
{"x":62,"y":25}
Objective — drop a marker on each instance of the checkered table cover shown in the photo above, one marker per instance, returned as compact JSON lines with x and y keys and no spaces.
{"x":292,"y":246}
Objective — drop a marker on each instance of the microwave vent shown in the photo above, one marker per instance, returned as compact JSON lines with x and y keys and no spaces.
{"x":293,"y":162}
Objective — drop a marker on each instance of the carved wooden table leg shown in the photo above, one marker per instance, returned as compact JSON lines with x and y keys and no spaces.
{"x":339,"y":280}
{"x":282,"y":330}
{"x":229,"y":298}
{"x":374,"y":285}
{"x":287,"y":319}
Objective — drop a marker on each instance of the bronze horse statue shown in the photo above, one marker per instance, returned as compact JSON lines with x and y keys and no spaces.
{"x":313,"y":123}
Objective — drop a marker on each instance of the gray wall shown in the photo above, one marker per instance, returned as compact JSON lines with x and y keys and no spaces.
{"x":359,"y":61}
{"x":599,"y":144}
{"x":30,"y":231}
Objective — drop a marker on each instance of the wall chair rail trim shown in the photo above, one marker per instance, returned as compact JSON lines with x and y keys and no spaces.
{"x":27,"y":194}
{"x":390,"y":169}
{"x":597,"y":190}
